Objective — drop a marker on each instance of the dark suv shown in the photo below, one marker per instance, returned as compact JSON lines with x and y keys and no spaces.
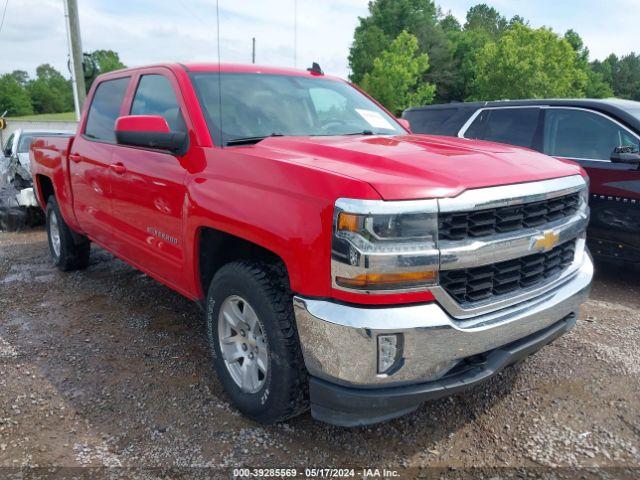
{"x":601,"y":135}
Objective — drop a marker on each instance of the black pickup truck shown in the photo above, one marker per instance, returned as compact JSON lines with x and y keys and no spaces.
{"x":601,"y":135}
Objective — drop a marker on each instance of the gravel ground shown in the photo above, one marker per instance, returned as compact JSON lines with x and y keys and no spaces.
{"x":107,"y":368}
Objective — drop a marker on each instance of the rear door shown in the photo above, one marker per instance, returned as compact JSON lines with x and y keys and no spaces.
{"x":589,"y":138}
{"x":91,"y":156}
{"x":148,"y":191}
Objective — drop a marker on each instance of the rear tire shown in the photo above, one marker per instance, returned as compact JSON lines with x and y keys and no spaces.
{"x":69,"y":251}
{"x":258,"y":292}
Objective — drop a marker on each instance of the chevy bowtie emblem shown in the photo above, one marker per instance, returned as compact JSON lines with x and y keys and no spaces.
{"x":548,"y":240}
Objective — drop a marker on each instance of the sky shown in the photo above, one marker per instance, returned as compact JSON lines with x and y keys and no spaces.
{"x":151,"y":31}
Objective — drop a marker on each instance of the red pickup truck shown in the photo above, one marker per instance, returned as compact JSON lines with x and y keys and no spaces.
{"x":342,"y":262}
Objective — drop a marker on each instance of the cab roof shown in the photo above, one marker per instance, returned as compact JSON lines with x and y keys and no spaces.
{"x":230,"y":68}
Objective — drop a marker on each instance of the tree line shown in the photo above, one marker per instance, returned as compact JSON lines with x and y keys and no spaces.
{"x":407,"y":53}
{"x":49,"y":91}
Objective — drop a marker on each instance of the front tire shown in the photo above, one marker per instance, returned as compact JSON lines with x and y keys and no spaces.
{"x":254,"y":342}
{"x":68,"y":253}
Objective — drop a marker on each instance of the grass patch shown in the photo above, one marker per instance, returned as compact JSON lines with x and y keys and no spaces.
{"x":48,"y":117}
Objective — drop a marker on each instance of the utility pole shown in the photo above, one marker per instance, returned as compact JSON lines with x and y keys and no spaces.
{"x":72,"y":23}
{"x":253,"y":51}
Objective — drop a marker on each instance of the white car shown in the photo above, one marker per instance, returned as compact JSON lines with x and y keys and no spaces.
{"x":15,"y":174}
{"x":18,"y":143}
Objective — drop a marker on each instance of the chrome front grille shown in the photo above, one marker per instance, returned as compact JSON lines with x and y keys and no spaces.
{"x":471,"y":285}
{"x":486,"y":222}
{"x":504,"y":245}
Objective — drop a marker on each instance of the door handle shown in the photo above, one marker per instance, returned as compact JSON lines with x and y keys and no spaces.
{"x":75,"y":158}
{"x":118,"y":168}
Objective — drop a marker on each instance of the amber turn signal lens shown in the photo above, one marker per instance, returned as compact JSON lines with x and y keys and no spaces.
{"x":348,"y":222}
{"x":381,"y":281}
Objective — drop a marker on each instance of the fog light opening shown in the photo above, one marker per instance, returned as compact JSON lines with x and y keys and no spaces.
{"x":389,"y":352}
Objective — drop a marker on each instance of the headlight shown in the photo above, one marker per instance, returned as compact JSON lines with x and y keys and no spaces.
{"x":383,"y":246}
{"x":584,"y":197}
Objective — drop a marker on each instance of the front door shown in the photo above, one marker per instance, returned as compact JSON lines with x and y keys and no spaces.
{"x":147,"y":187}
{"x":90,"y":159}
{"x":589,"y":138}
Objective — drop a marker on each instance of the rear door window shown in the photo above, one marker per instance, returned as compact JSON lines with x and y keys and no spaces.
{"x":155,"y":96}
{"x":513,"y":126}
{"x":105,"y":109}
{"x":431,"y":121}
{"x":580,"y":134}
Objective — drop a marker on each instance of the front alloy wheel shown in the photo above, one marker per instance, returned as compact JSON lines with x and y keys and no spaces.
{"x":243,"y":344}
{"x":254,"y":342}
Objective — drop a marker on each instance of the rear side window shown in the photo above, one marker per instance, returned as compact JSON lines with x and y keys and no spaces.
{"x":585,"y":135}
{"x":155,"y":96}
{"x":105,"y":109}
{"x":432,"y":121}
{"x":514,"y":126}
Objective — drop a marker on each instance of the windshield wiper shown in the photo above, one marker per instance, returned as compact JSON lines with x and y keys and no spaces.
{"x":362,"y":132}
{"x":250,"y":140}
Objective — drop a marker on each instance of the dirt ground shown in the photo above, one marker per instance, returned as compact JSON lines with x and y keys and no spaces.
{"x":107,"y":368}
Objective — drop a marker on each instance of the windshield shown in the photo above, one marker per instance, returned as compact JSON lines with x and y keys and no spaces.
{"x":260,"y":105}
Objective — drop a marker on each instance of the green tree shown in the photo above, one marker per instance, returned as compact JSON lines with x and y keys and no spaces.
{"x":626,"y":77}
{"x":517,"y":19}
{"x":467,"y":45}
{"x":386,"y":20}
{"x":485,"y":18}
{"x":13,"y":96}
{"x":483,"y":24}
{"x":107,"y":60}
{"x":596,"y":86}
{"x":575,"y":40}
{"x":528,"y":63}
{"x":450,"y":24}
{"x":606,"y":68}
{"x":50,"y":92}
{"x":21,"y":77}
{"x":396,"y":79}
{"x":104,"y":61}
{"x":369,"y":41}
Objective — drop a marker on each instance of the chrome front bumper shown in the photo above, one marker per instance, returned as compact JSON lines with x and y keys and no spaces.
{"x":339,"y":342}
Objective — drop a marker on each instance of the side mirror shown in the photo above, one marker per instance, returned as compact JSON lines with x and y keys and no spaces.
{"x":150,"y":131}
{"x":405,"y":123}
{"x":627,"y":154}
{"x":7,"y":152}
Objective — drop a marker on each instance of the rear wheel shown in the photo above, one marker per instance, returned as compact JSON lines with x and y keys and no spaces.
{"x":68,"y":251}
{"x":254,"y":342}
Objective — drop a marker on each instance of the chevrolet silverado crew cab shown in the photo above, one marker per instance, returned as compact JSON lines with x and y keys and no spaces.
{"x":343,"y":263}
{"x":603,"y":136}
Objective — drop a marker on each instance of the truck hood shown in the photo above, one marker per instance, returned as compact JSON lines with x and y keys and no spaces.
{"x":418,"y":166}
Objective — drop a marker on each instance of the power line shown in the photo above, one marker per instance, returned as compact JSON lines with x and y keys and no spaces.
{"x":192,"y":13}
{"x":4,"y":12}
